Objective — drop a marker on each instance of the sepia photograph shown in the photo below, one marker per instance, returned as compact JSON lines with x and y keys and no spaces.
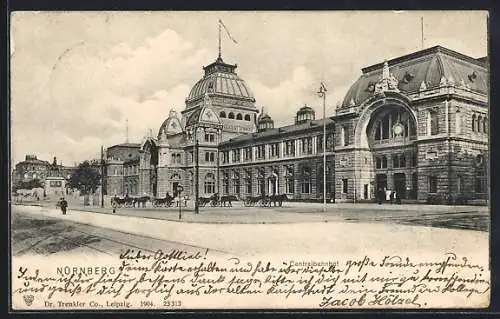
{"x":174,"y":160}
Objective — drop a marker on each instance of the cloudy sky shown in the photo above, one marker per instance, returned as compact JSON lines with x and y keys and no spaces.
{"x":77,"y":77}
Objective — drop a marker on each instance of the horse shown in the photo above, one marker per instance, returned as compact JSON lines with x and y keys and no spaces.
{"x":141,"y":200}
{"x":252,"y":200}
{"x":203,"y":201}
{"x":278,"y":199}
{"x":166,"y":201}
{"x":120,"y":202}
{"x":227,"y":199}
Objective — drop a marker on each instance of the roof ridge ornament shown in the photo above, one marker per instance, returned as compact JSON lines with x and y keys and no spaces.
{"x":207,"y":101}
{"x":423,"y":86}
{"x":386,"y":82}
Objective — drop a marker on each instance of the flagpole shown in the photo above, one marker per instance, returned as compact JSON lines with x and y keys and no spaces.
{"x":219,"y":40}
{"x":322,"y":93}
{"x":422,"y":31}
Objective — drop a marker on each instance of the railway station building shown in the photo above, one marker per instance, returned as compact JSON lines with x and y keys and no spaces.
{"x":417,"y":124}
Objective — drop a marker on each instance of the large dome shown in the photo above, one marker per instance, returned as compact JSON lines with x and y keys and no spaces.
{"x":220,"y":79}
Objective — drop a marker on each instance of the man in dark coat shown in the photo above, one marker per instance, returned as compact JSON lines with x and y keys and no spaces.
{"x":380,"y":196}
{"x":64,"y":205}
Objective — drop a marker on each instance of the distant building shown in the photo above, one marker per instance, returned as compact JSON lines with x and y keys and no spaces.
{"x":33,"y":168}
{"x":55,"y":186}
{"x":417,"y":124}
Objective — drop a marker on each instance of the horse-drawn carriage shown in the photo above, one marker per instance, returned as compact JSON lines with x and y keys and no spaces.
{"x":265,"y":200}
{"x":216,"y":201}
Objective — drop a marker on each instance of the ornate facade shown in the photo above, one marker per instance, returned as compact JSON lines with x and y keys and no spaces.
{"x":416,"y":124}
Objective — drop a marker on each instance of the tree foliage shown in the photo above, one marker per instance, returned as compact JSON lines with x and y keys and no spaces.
{"x":85,"y":178}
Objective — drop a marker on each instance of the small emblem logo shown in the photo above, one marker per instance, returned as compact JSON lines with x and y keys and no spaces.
{"x":28,"y":299}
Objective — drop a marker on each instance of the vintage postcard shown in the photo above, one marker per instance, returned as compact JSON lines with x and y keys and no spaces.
{"x":249,"y":160}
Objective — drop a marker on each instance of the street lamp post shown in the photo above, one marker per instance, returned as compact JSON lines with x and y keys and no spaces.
{"x":322,"y":93}
{"x":196,"y":178}
{"x":102,"y":176}
{"x":179,"y":190}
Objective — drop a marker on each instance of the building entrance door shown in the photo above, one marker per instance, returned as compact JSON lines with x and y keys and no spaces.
{"x":272,"y":184}
{"x":262,"y":187}
{"x":414,"y":186}
{"x":381,"y":181}
{"x":400,"y":184}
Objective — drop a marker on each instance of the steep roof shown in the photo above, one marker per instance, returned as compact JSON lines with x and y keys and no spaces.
{"x":429,"y":66}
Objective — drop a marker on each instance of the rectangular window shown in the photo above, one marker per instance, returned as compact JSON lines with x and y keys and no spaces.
{"x":248,"y":153}
{"x":55,"y":183}
{"x":319,"y":144}
{"x":402,"y":160}
{"x":225,"y":157}
{"x":434,"y":122}
{"x":330,"y":142}
{"x":275,"y":150}
{"x":290,"y":148}
{"x":209,"y":137}
{"x":261,"y":152}
{"x":433,"y":184}
{"x":236,"y":155}
{"x":236,"y":186}
{"x":306,"y":187}
{"x":346,"y":135}
{"x":344,"y":186}
{"x":249,"y":186}
{"x":290,"y":185}
{"x":210,"y":157}
{"x":306,"y":145}
{"x":395,"y":161}
{"x":480,"y":182}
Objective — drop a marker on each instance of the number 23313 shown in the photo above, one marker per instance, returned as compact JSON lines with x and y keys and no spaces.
{"x":172,"y":303}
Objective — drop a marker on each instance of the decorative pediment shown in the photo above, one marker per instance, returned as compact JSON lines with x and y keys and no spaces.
{"x":387,"y":82}
{"x":208,"y":115}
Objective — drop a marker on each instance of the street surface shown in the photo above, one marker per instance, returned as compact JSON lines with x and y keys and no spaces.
{"x":454,"y":217}
{"x":32,"y":234}
{"x":343,"y":228}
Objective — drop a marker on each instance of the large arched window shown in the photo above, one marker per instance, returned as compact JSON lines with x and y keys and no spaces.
{"x":222,"y":114}
{"x":305,"y":186}
{"x":231,"y":115}
{"x":289,"y":180}
{"x":479,"y":122}
{"x":209,"y":186}
{"x":236,"y":182}
{"x":225,"y":183}
{"x":248,"y":182}
{"x":239,"y":116}
{"x":384,"y":161}
{"x":433,"y":122}
{"x":191,"y":183}
{"x":395,"y":161}
{"x":247,"y":117}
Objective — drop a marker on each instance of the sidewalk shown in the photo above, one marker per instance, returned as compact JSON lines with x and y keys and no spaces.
{"x":306,"y":239}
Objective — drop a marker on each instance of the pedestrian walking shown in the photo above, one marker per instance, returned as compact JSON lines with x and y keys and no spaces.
{"x":388,"y":194}
{"x":64,"y":205}
{"x":393,"y":196}
{"x":380,"y":196}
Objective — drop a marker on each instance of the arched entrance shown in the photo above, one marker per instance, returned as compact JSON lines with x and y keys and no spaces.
{"x":272,"y":183}
{"x":391,"y":135}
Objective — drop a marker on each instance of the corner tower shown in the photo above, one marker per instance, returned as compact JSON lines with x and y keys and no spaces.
{"x":230,"y":97}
